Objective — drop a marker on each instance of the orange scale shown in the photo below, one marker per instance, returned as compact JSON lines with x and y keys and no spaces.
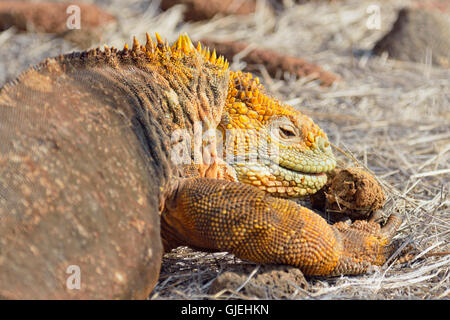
{"x":252,"y":114}
{"x":243,"y":119}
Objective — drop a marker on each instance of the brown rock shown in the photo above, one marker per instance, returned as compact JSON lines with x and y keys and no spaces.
{"x":269,"y":280}
{"x":350,"y":192}
{"x":49,"y":17}
{"x":272,"y":61}
{"x":206,"y":9}
{"x":416,"y":34}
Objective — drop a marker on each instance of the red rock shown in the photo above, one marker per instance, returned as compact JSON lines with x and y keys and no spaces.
{"x":49,"y":17}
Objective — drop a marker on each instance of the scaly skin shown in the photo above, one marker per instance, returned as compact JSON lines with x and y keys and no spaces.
{"x":89,"y":180}
{"x":286,"y":153}
{"x":216,"y":215}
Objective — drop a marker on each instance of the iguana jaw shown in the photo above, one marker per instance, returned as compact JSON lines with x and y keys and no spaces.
{"x":281,"y":181}
{"x":301,"y":183}
{"x":287,"y":172}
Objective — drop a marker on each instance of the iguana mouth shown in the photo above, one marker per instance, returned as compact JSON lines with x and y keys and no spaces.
{"x":279,"y":180}
{"x":323,"y":168}
{"x":308,"y":182}
{"x":303,"y":172}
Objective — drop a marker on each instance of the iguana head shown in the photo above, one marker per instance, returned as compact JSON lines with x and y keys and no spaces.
{"x":272,"y":145}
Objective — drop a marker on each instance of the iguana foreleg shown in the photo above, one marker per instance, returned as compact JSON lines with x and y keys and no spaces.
{"x":217,"y":215}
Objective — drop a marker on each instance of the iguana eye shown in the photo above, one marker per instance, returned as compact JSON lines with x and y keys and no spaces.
{"x":283,"y":129}
{"x":286,"y":132}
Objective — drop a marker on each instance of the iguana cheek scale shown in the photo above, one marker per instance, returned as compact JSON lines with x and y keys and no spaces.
{"x":86,"y":176}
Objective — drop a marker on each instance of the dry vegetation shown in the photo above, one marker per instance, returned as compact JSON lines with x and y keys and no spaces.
{"x":392,"y":117}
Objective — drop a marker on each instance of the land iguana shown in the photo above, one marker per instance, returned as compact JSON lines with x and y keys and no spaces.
{"x":89,"y":182}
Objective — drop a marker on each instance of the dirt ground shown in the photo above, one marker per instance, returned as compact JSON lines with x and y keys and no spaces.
{"x":389,"y":116}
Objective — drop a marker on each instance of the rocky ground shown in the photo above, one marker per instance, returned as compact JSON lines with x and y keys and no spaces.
{"x":374,"y":74}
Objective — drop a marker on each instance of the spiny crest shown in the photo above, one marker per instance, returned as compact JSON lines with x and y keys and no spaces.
{"x":182,"y":47}
{"x":247,"y":103}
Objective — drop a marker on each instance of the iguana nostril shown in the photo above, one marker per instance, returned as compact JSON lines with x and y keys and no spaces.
{"x":323,"y":144}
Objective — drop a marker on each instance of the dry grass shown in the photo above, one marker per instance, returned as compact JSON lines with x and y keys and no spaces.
{"x":392,"y":117}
